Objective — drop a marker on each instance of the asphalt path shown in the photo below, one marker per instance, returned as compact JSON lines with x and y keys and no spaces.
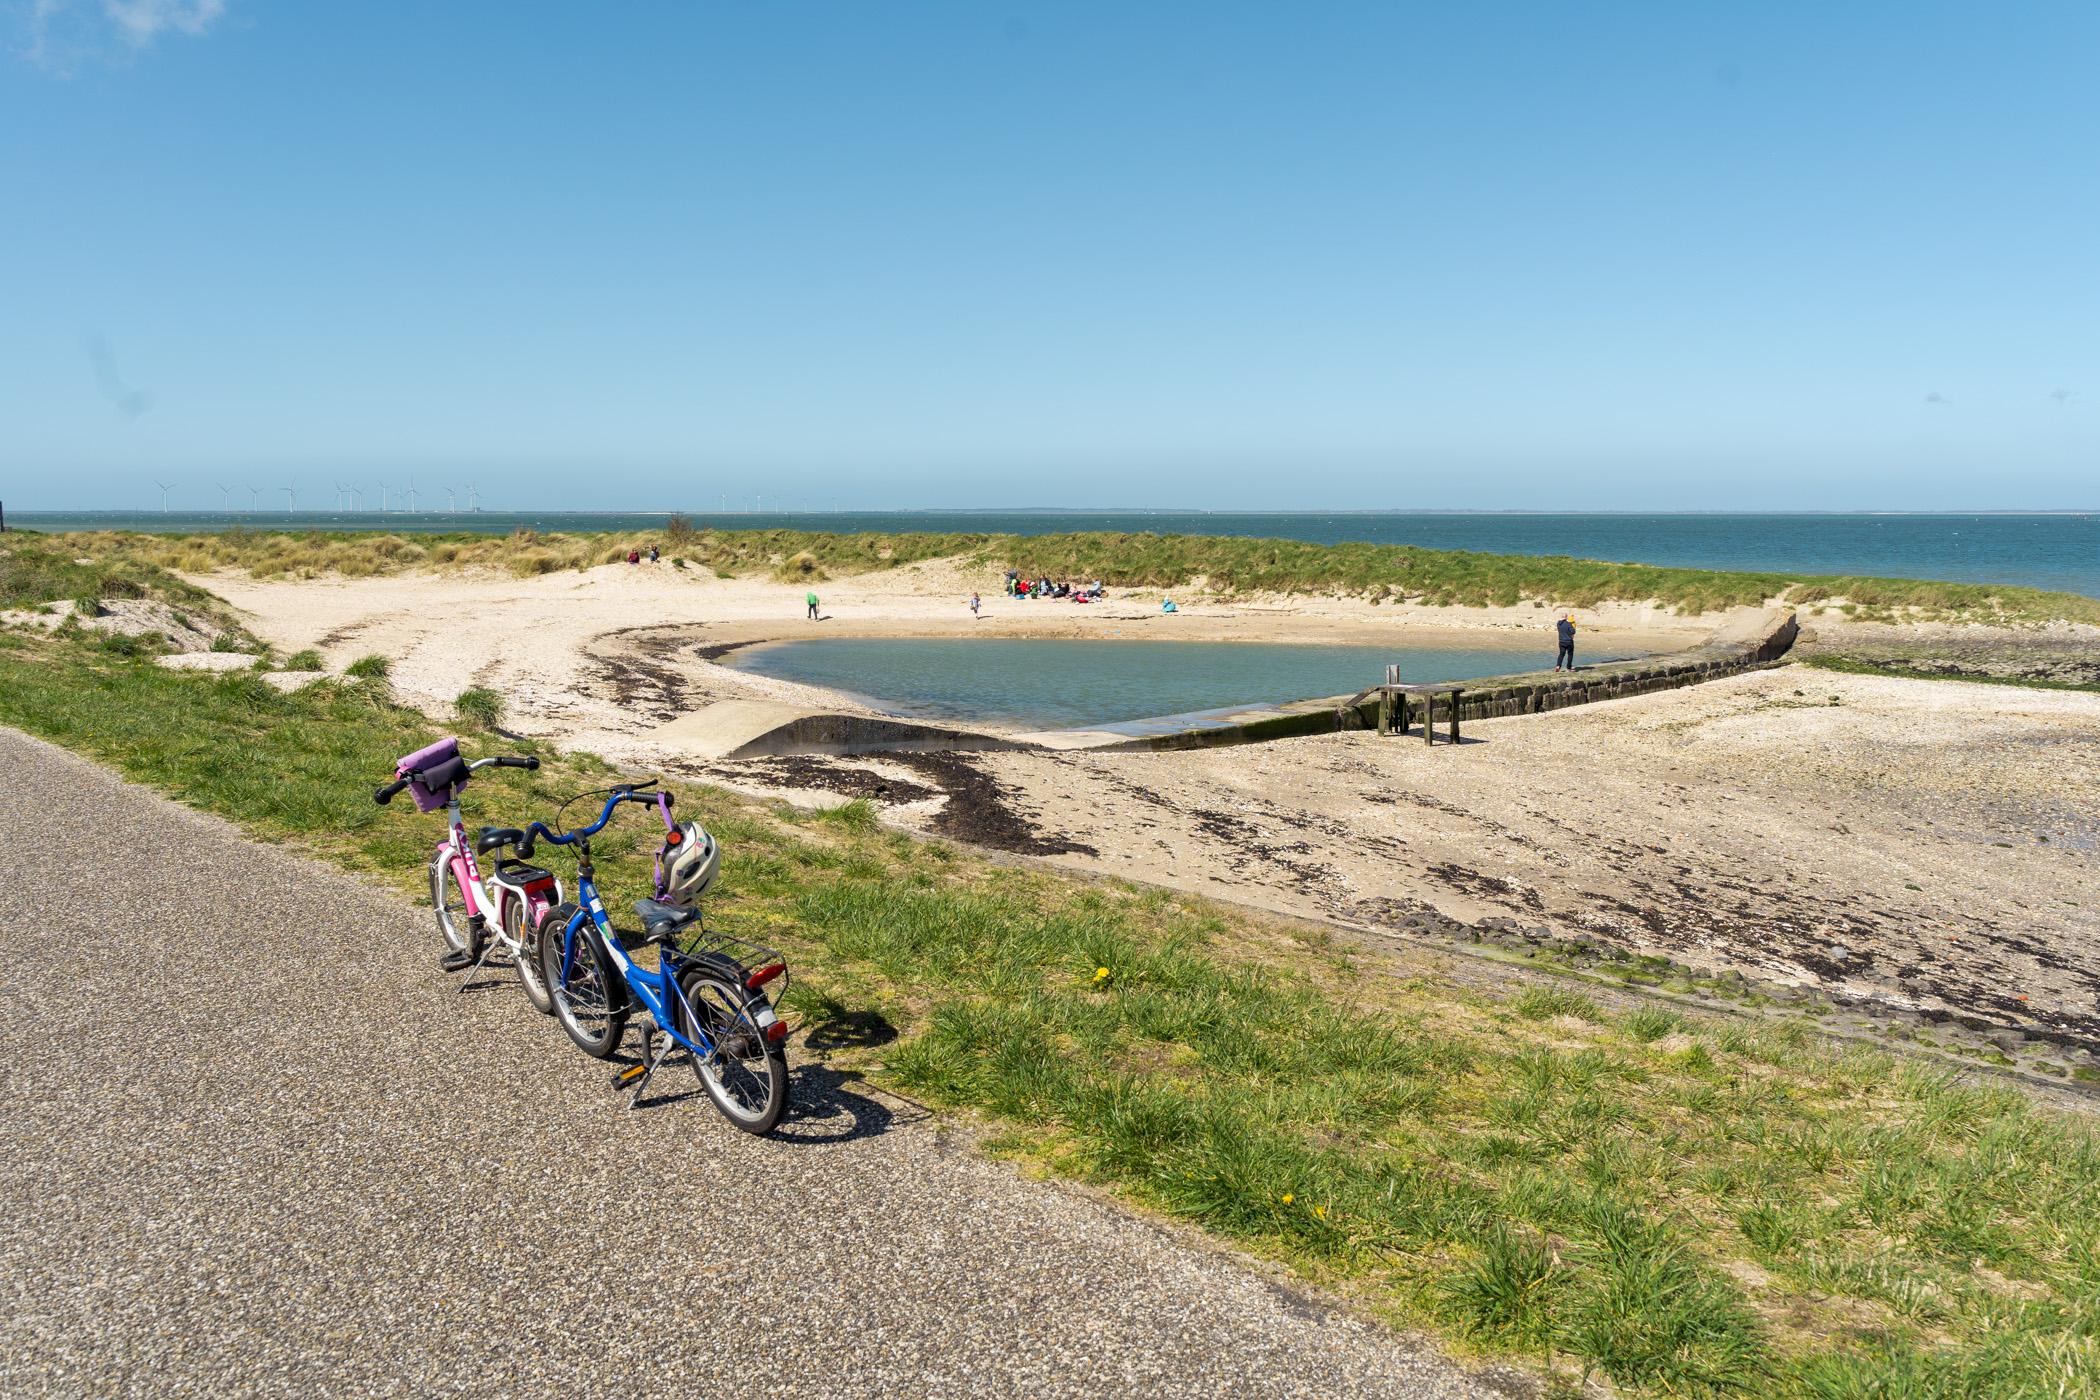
{"x":255,"y":1143}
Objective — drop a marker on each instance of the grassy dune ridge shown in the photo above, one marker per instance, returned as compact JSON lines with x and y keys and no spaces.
{"x":1684,"y":1206}
{"x":1376,"y":572}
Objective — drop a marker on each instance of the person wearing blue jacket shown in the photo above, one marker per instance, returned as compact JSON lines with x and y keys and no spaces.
{"x":1566,"y":628}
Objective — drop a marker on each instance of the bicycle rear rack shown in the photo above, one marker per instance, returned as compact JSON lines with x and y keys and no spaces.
{"x":756,"y":959}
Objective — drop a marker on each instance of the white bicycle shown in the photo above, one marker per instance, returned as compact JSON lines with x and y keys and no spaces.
{"x":475,"y":917}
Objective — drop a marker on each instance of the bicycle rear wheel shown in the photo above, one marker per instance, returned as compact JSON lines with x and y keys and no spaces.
{"x":590,"y":995}
{"x":526,"y":936}
{"x":462,"y":934}
{"x":747,"y":1077}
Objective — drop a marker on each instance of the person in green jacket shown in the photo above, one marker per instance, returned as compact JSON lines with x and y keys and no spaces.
{"x":813,"y":605}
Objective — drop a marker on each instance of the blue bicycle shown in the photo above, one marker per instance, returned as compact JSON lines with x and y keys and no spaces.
{"x":707,"y":995}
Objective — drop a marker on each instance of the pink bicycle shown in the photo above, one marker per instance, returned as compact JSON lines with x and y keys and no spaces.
{"x":475,"y":918}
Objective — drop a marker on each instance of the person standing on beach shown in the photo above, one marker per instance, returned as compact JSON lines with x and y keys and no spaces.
{"x":813,"y":605}
{"x":974,"y":605}
{"x":1566,"y":628}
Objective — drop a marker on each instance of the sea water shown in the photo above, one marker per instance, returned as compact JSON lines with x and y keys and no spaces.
{"x":1057,"y":684}
{"x":2059,"y":551}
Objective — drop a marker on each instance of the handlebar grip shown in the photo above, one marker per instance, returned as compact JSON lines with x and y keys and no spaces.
{"x":384,"y":795}
{"x":525,"y":763}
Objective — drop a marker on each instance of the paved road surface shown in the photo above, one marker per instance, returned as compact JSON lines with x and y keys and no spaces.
{"x":253,"y":1143}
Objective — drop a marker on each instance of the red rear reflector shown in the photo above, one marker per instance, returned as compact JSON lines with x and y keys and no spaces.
{"x":764,"y":975}
{"x":673,"y":837}
{"x":777,"y":1031}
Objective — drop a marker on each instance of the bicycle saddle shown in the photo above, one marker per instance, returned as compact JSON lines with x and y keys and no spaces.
{"x":659,"y":918}
{"x":492,"y":838}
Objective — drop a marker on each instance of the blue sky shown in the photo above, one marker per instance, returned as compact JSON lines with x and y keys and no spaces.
{"x":1653,"y":256}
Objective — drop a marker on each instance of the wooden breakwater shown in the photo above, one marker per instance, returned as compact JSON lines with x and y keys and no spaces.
{"x":1761,"y":641}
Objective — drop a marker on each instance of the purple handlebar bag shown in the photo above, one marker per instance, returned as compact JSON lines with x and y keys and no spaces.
{"x":444,"y":774}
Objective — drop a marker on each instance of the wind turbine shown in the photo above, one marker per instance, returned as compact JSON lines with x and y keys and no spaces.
{"x":254,"y":499}
{"x":382,"y":498}
{"x":412,"y":494}
{"x":165,"y":487}
{"x":451,"y":503}
{"x":357,"y":497}
{"x":473,"y":497}
{"x":290,"y":495}
{"x":225,"y":497}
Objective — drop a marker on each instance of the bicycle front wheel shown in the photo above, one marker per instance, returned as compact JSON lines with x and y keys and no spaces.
{"x":747,"y":1076}
{"x":590,"y":996}
{"x":449,"y":902}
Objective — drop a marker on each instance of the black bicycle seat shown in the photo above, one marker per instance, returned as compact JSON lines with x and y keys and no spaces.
{"x":491,"y":838}
{"x":659,"y":918}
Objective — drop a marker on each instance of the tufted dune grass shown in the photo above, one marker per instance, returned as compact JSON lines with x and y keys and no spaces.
{"x":1373,"y":572}
{"x":1679,"y":1206}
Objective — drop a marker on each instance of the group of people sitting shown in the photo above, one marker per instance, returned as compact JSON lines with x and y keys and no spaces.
{"x":1018,"y":587}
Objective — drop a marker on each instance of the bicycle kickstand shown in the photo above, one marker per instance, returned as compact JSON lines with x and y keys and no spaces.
{"x":488,"y":946}
{"x":636,"y":1077}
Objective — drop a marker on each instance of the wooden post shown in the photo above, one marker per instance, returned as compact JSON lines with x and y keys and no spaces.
{"x":1429,"y":717}
{"x":1454,"y":716}
{"x":1385,"y":712}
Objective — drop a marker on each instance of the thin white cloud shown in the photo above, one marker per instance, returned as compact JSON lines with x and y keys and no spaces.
{"x":61,"y":35}
{"x":143,"y":21}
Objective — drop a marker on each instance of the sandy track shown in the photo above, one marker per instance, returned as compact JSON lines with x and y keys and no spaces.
{"x":256,"y":1144}
{"x":1929,"y":846}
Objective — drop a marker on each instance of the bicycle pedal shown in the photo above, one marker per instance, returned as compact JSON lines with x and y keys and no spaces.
{"x":627,"y":1076}
{"x":456,"y":962}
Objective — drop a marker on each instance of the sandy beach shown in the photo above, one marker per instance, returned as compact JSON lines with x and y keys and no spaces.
{"x":1927,"y":847}
{"x":601,"y":657}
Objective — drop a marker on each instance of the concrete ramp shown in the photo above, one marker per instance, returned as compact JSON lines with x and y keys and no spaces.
{"x":764,"y":728}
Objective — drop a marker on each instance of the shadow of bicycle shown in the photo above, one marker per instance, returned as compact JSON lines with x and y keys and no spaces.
{"x":824,"y":1108}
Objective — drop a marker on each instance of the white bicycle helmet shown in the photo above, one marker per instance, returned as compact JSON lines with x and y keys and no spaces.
{"x":690,"y":860}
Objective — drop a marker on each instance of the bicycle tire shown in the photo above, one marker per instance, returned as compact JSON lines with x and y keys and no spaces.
{"x":530,"y":975}
{"x":747,"y":1080}
{"x":461,"y":933}
{"x":591,"y":1002}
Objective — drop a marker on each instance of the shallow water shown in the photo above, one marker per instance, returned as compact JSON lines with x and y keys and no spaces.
{"x":1068,"y":684}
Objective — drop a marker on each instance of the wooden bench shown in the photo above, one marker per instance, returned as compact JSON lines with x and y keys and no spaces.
{"x":1392,"y":708}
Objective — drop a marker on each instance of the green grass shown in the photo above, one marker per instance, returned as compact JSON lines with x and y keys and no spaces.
{"x":307,"y":660}
{"x":47,"y":568}
{"x":478,"y":708}
{"x":1853,"y":667}
{"x":369,"y":668}
{"x":1375,"y":572}
{"x":1682,"y":1207}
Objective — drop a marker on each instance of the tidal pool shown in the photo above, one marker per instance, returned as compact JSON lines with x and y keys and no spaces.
{"x":1042,"y":684}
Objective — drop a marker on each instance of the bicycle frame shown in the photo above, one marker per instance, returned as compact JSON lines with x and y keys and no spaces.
{"x":654,"y":990}
{"x":457,"y":851}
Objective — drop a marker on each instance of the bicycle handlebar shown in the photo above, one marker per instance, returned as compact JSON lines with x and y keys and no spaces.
{"x":386,"y":794}
{"x":618,"y":793}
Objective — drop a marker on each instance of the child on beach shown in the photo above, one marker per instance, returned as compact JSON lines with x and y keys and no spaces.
{"x":812,"y":605}
{"x":973,"y":605}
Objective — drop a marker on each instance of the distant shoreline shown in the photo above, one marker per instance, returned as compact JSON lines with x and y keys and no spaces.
{"x":1233,"y":512}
